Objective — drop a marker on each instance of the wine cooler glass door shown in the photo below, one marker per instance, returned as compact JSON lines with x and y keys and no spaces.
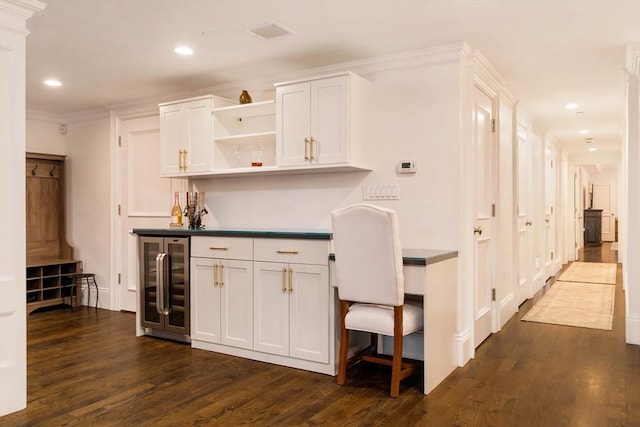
{"x":150,"y":248}
{"x":178,"y":293}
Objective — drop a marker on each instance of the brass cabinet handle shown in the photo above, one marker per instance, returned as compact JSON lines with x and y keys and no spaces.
{"x":312,"y":149}
{"x":290,"y":280}
{"x":528,"y":223}
{"x":307,"y":145}
{"x":287,"y":251}
{"x":221,"y":275}
{"x":182,"y":160}
{"x":284,"y":280}
{"x":218,"y":248}
{"x":477,"y":230}
{"x":215,"y":274}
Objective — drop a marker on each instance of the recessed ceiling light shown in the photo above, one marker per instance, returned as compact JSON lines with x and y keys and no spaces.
{"x":52,"y":83}
{"x":183,"y":50}
{"x":571,"y":106}
{"x":592,"y":149}
{"x":583,"y":131}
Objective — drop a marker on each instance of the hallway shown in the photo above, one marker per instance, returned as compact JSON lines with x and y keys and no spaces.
{"x":88,"y":368}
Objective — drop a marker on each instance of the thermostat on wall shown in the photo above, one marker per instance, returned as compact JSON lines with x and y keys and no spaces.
{"x":406,"y":166}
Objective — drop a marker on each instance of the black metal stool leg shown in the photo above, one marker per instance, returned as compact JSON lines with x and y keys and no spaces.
{"x":97,"y":290}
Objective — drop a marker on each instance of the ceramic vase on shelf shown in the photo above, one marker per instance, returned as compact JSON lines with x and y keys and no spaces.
{"x":245,"y":98}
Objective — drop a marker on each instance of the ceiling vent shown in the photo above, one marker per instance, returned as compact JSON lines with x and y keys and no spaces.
{"x":270,"y":30}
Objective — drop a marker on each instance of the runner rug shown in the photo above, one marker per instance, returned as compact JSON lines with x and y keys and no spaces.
{"x":586,"y":305}
{"x":590,"y":272}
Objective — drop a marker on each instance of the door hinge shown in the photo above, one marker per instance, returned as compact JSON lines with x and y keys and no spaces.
{"x":551,"y":163}
{"x":551,"y":209}
{"x":119,"y":278}
{"x":493,"y":209}
{"x":493,"y":294}
{"x":119,"y":141}
{"x":551,"y":255}
{"x":119,"y":210}
{"x":493,"y":125}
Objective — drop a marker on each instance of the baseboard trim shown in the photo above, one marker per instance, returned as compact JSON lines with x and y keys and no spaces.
{"x":466,"y":351}
{"x":633,"y":330}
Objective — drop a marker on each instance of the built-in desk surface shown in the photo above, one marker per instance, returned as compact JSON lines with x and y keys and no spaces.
{"x":430,"y":275}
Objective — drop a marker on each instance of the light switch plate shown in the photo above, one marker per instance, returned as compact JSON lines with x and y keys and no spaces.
{"x":381,"y":192}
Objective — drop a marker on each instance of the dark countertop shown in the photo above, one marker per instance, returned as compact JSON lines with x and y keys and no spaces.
{"x":236,"y":232}
{"x":421,"y":257}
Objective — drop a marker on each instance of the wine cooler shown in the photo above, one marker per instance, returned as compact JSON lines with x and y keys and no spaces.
{"x":164,"y":287}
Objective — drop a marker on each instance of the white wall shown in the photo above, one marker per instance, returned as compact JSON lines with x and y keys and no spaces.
{"x":415,"y":117}
{"x":44,"y":136}
{"x":88,"y":169}
{"x":88,"y":192}
{"x":631,"y":246}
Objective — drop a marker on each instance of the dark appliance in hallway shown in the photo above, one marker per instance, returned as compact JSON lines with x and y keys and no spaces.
{"x":593,"y":227}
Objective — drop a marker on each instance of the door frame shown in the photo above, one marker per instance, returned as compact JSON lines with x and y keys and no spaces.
{"x":118,"y":243}
{"x":479,"y":84}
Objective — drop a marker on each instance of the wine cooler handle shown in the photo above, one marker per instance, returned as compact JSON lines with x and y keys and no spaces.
{"x":162,"y":275}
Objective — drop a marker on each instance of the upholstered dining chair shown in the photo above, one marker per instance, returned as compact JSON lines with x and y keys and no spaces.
{"x":368,"y":268}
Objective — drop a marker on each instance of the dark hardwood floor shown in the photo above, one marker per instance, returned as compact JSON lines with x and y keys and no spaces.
{"x":88,"y":369}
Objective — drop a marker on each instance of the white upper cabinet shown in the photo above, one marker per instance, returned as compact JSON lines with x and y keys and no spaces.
{"x":320,"y":122}
{"x":186,"y":136}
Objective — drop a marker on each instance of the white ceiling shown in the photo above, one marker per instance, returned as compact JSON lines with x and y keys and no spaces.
{"x":112,"y":52}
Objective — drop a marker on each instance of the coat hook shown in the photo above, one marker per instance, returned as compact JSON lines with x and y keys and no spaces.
{"x":51,"y":171}
{"x":33,"y":171}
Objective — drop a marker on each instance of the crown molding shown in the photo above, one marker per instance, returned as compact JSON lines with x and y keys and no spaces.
{"x":67,"y":118}
{"x":44,"y":116}
{"x":15,"y":13}
{"x":449,"y":53}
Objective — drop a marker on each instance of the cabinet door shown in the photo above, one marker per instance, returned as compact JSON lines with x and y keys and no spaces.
{"x":150,"y":247}
{"x":330,"y":120}
{"x":173,"y":137}
{"x":236,"y":309}
{"x":293,"y":124}
{"x":271,"y":300}
{"x":178,"y":296}
{"x":200,"y":136}
{"x":186,"y":137}
{"x":309,"y":312}
{"x":205,"y":301}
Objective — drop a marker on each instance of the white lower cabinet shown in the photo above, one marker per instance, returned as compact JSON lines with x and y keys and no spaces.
{"x":292,"y":310}
{"x":223,"y":301}
{"x":264,"y":299}
{"x":222,"y":291}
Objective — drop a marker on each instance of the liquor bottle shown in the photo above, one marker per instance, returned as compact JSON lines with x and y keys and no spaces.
{"x":176,"y":211}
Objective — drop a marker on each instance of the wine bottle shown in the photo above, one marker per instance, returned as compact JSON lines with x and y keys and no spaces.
{"x":176,"y":211}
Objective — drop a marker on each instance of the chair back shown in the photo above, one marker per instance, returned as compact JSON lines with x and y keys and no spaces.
{"x":368,"y":255}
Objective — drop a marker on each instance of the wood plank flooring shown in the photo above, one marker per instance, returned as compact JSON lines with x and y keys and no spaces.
{"x":87,"y":368}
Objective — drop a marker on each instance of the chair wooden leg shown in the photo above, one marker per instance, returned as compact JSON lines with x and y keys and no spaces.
{"x":396,"y":367}
{"x":344,"y":344}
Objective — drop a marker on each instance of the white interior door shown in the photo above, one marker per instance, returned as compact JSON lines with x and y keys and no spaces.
{"x":549,"y":216}
{"x":578,"y":209}
{"x":604,"y":198}
{"x":144,"y":199}
{"x":484,"y":163}
{"x":525,"y":217}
